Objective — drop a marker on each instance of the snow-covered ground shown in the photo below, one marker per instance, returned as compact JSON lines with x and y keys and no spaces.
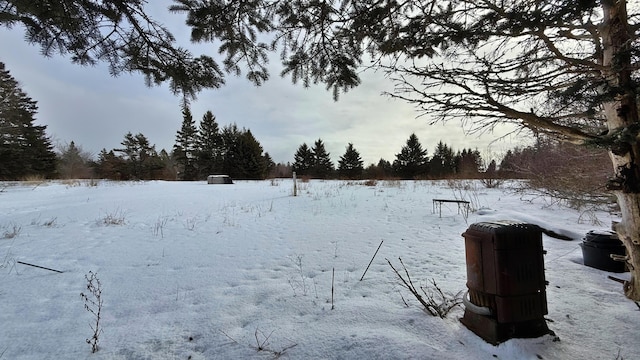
{"x":196,"y":271}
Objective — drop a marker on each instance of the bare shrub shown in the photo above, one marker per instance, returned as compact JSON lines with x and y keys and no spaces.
{"x":50,"y":223}
{"x":573,"y":176}
{"x":93,"y":304}
{"x":370,"y":183}
{"x":262,"y":343}
{"x":70,"y":183}
{"x":116,"y":217}
{"x":274,"y":182}
{"x":432,"y":298}
{"x":34,"y":179}
{"x":301,"y":283}
{"x":190,"y":223}
{"x":10,"y":231}
{"x":73,"y":162}
{"x":393,"y":183}
{"x":466,"y":190}
{"x":158,"y":228}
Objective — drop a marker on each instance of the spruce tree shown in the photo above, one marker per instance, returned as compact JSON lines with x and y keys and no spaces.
{"x":140,"y":158}
{"x":209,"y":153}
{"x":468,"y":163}
{"x":184,"y":149}
{"x":111,"y":166}
{"x":322,"y":166}
{"x":442,"y":163}
{"x":230,"y":154}
{"x":25,"y":149}
{"x":382,"y":170}
{"x":303,"y":161}
{"x":250,"y":162}
{"x":350,"y":164}
{"x":270,"y":164}
{"x":412,"y":160}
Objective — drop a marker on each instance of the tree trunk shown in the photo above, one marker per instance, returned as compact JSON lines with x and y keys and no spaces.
{"x":624,"y":127}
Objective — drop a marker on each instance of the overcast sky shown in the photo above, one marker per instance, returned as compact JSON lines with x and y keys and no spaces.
{"x":88,"y":106}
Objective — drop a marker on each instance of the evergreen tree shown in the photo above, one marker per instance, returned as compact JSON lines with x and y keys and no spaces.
{"x":322,"y":165}
{"x":41,"y":159}
{"x":468,"y":163}
{"x":25,"y":149}
{"x":251,"y":163}
{"x":492,"y":169}
{"x":209,"y":154}
{"x":242,"y":154}
{"x":140,"y":157}
{"x":134,"y":42}
{"x":509,"y":166}
{"x":303,"y":161}
{"x":382,"y":170}
{"x":350,"y":164}
{"x":270,"y":165}
{"x":185,"y":147}
{"x":131,"y":156}
{"x":385,"y":167}
{"x":111,"y":166}
{"x":412,"y":160}
{"x":230,"y":136}
{"x":443,"y":162}
{"x":168,"y":171}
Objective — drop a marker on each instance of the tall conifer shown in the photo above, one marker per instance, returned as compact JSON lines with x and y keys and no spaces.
{"x":25,"y":149}
{"x":184,"y":149}
{"x":350,"y":165}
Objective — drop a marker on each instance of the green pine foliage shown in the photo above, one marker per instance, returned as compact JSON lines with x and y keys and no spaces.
{"x":468,"y":163}
{"x":138,"y":160}
{"x":252,"y":164}
{"x":382,"y":170}
{"x":443,"y":162}
{"x":186,"y":146}
{"x":303,"y":161}
{"x":322,"y":167}
{"x":111,"y":166}
{"x":25,"y":149}
{"x":270,"y":165}
{"x":118,"y":32}
{"x":350,"y":164}
{"x":412,"y":161}
{"x":242,"y":156}
{"x":209,"y":153}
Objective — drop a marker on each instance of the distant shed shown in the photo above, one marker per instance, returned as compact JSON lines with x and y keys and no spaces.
{"x":219,"y":179}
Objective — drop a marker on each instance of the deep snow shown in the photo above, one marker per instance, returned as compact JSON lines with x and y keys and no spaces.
{"x":197,"y":271}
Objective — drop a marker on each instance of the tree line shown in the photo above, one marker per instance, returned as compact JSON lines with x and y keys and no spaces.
{"x":412,"y":162}
{"x":198,"y":151}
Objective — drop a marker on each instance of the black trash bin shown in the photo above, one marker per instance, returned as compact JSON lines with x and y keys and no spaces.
{"x":597,"y":247}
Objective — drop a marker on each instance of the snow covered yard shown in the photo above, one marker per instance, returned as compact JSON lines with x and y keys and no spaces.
{"x":196,"y":271}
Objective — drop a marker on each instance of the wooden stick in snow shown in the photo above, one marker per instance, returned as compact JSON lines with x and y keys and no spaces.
{"x":333,"y":275}
{"x":40,"y":267}
{"x":374,"y":256}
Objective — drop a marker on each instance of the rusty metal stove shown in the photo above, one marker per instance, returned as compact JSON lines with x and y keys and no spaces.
{"x":505,"y":278}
